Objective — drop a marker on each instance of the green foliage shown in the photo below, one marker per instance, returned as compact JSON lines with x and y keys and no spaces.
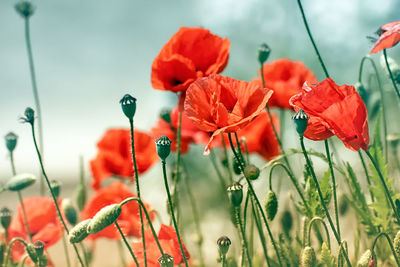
{"x":327,"y":258}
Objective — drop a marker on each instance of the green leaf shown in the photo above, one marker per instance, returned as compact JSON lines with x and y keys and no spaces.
{"x":327,"y":258}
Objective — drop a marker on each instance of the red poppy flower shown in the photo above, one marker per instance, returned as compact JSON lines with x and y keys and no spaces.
{"x":169,"y":243}
{"x":129,"y":220}
{"x":189,"y":54}
{"x":114,"y":156}
{"x":285,"y":77}
{"x":334,"y":110}
{"x":221,"y":104}
{"x":389,"y":36}
{"x":43,"y":224}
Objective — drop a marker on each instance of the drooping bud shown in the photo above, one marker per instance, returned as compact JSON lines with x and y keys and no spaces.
{"x":29,"y":116}
{"x":308,"y":258}
{"x":251,"y":172}
{"x":343,"y":205}
{"x":69,"y":211}
{"x":300,"y":120}
{"x":11,"y":141}
{"x":5,"y":217}
{"x":25,"y":9}
{"x":103,"y":218}
{"x":263,"y":53}
{"x":236,"y":166}
{"x":55,"y":187}
{"x":20,"y":181}
{"x":235,"y":192}
{"x":166,"y":260}
{"x":163,"y":145}
{"x":79,"y":232}
{"x":271,"y":205}
{"x":287,"y":221}
{"x":165,"y":114}
{"x":362,"y":91}
{"x":394,"y":140}
{"x":223,"y":244}
{"x":30,"y":250}
{"x":128,"y":105}
{"x":396,"y":244}
{"x":365,"y":259}
{"x":39,"y":247}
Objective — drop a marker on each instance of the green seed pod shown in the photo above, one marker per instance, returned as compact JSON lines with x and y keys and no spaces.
{"x":165,"y":114}
{"x":103,"y":218}
{"x":308,"y":258}
{"x":163,"y":145}
{"x":287,"y":221}
{"x":11,"y":141}
{"x":235,"y":193}
{"x":38,"y":246}
{"x":236,"y":166}
{"x":166,"y":260}
{"x":396,"y":244}
{"x":5,"y":218}
{"x":30,"y":250}
{"x":271,"y":205}
{"x":20,"y":181}
{"x":251,"y":172}
{"x":80,"y":196}
{"x":223,"y":244}
{"x":69,"y":211}
{"x":365,"y":259}
{"x":79,"y":232}
{"x":263,"y":53}
{"x":128,"y":105}
{"x":29,"y":116}
{"x":25,"y":9}
{"x":300,"y":120}
{"x":55,"y":187}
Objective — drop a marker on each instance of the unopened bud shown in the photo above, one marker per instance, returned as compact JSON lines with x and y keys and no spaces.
{"x":11,"y":141}
{"x":20,"y":181}
{"x":362,"y":91}
{"x":287,"y":221}
{"x":251,"y":172}
{"x":396,"y":244}
{"x":5,"y":217}
{"x":263,"y":53}
{"x":343,"y":205}
{"x":69,"y":211}
{"x":166,"y":260}
{"x":308,"y":258}
{"x":394,"y":140}
{"x":365,"y":259}
{"x":235,"y":192}
{"x":271,"y":205}
{"x":25,"y":9}
{"x":30,"y":250}
{"x":300,"y":120}
{"x":55,"y":187}
{"x":80,"y":196}
{"x":236,"y":166}
{"x":128,"y":105}
{"x":223,"y":244}
{"x":103,"y":218}
{"x":165,"y":114}
{"x":79,"y":232}
{"x":163,"y":145}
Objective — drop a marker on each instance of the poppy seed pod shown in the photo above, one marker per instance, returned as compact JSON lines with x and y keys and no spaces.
{"x":223,"y":244}
{"x":308,"y":258}
{"x":79,"y":232}
{"x":166,"y":260}
{"x":163,"y":145}
{"x":165,"y":114}
{"x":300,"y":120}
{"x":263,"y":53}
{"x":103,"y":218}
{"x":29,"y":116}
{"x":235,"y":192}
{"x":365,"y":259}
{"x":69,"y":211}
{"x":5,"y":217}
{"x":271,"y":205}
{"x":128,"y":105}
{"x":251,"y":172}
{"x":56,"y":187}
{"x":20,"y":181}
{"x":38,"y":246}
{"x":396,"y":244}
{"x":11,"y":141}
{"x":25,"y":9}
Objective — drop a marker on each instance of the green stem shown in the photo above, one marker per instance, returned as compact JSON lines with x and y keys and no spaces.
{"x":178,"y":166}
{"x":84,"y":254}
{"x":65,"y":250}
{"x":242,"y":233}
{"x":219,"y":175}
{"x":172,"y":212}
{"x":310,"y":224}
{"x":223,"y":260}
{"x":227,"y":159}
{"x":390,"y":73}
{"x":366,"y":176}
{"x":16,"y":239}
{"x":391,"y":247}
{"x":138,"y":189}
{"x":126,"y":243}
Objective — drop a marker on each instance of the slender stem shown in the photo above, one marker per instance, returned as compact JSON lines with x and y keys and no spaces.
{"x":227,"y":158}
{"x":391,"y":247}
{"x":239,"y":149}
{"x":84,"y":254}
{"x":246,"y":150}
{"x":65,"y":250}
{"x":16,"y":239}
{"x":242,"y":233}
{"x":172,"y":212}
{"x":13,"y":170}
{"x":366,"y":176}
{"x":223,"y":256}
{"x":126,"y":243}
{"x":52,"y":192}
{"x":219,"y":175}
{"x":310,"y":224}
{"x":178,"y":166}
{"x":138,"y":189}
{"x":390,"y":73}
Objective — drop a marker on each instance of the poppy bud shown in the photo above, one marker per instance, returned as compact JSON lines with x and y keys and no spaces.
{"x":235,"y":192}
{"x":165,"y":114}
{"x":103,"y":218}
{"x":396,"y":244}
{"x":163,"y":145}
{"x":25,"y":9}
{"x":38,"y":246}
{"x":251,"y":172}
{"x":271,"y":205}
{"x":79,"y":232}
{"x":55,"y":187}
{"x":287,"y":221}
{"x":365,"y":259}
{"x":30,"y":250}
{"x":80,"y":196}
{"x":5,"y":217}
{"x":308,"y":258}
{"x":29,"y":116}
{"x":393,"y":140}
{"x":236,"y":166}
{"x":263,"y":53}
{"x":223,"y":244}
{"x":11,"y":141}
{"x":128,"y":104}
{"x":166,"y":260}
{"x":343,"y":205}
{"x":300,"y":120}
{"x":69,"y":211}
{"x":20,"y":181}
{"x":362,"y":91}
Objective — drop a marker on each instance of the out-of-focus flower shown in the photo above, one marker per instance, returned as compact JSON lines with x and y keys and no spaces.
{"x":128,"y":220}
{"x":389,"y":35}
{"x":285,"y":77}
{"x":221,"y":104}
{"x":114,"y":156}
{"x":189,"y":54}
{"x":334,"y":110}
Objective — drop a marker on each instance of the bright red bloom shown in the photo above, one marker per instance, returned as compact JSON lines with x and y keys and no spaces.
{"x":189,"y":54}
{"x":169,"y":243}
{"x":115,"y":158}
{"x":129,"y":220}
{"x":389,"y":37}
{"x":285,"y":77}
{"x":43,"y":223}
{"x":221,"y":104}
{"x":334,"y":110}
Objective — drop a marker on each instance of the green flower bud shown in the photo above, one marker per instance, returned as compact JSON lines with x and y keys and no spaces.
{"x":166,"y":260}
{"x":69,"y":211}
{"x":128,"y":105}
{"x":236,"y":166}
{"x":20,"y":181}
{"x":163,"y":145}
{"x":235,"y":193}
{"x":165,"y":114}
{"x":25,"y":9}
{"x":251,"y":172}
{"x":29,"y":116}
{"x":38,"y":246}
{"x":56,"y":187}
{"x":223,"y":244}
{"x":343,"y":205}
{"x":271,"y":205}
{"x":30,"y":250}
{"x":263,"y":53}
{"x":396,"y":244}
{"x":103,"y":218}
{"x":5,"y":218}
{"x":308,"y":258}
{"x":393,"y":139}
{"x":287,"y":221}
{"x":11,"y":141}
{"x":79,"y":232}
{"x":300,"y":120}
{"x":80,"y":196}
{"x":365,"y":259}
{"x":362,"y":91}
